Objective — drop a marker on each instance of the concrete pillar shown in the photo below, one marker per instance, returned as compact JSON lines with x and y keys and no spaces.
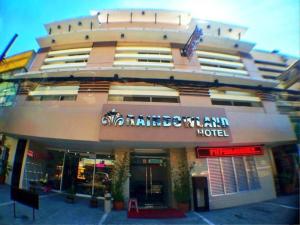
{"x":24,"y":165}
{"x":11,"y":143}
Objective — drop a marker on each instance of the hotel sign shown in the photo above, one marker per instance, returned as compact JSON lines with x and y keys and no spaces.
{"x":143,"y":120}
{"x":203,"y":152}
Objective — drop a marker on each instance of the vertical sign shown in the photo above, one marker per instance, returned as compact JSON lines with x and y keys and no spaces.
{"x":192,"y":43}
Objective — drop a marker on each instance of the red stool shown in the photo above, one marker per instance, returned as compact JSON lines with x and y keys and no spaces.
{"x":133,"y":202}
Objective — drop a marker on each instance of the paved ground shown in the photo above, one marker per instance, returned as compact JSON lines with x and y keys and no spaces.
{"x":54,"y":210}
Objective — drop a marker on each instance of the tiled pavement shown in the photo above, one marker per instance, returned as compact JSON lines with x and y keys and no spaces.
{"x":54,"y":210}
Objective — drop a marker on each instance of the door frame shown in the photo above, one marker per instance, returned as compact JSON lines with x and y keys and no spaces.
{"x":148,"y":173}
{"x":202,"y":183}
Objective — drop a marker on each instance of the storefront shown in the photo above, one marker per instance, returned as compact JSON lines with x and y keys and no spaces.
{"x":63,"y":169}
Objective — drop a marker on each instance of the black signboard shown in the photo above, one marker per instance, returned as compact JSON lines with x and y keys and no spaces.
{"x":24,"y":197}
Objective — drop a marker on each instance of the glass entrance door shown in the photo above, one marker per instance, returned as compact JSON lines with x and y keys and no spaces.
{"x":148,"y":181}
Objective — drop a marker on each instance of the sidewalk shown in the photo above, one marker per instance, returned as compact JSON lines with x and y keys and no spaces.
{"x":54,"y":210}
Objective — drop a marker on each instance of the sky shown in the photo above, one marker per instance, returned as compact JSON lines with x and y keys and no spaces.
{"x":272,"y":24}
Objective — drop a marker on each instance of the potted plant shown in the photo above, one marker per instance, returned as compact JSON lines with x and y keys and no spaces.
{"x":182,"y":187}
{"x":120,"y":175}
{"x":70,"y":194}
{"x":94,"y":201}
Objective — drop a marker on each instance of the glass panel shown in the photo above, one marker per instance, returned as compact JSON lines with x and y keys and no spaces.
{"x":237,"y":103}
{"x":103,"y":171}
{"x":220,"y":102}
{"x":136,"y":99}
{"x":68,"y":98}
{"x":228,"y":174}
{"x":164,"y":99}
{"x":241,"y":173}
{"x":85,"y":175}
{"x":115,"y":98}
{"x":215,"y":176}
{"x":34,"y":98}
{"x":43,"y":170}
{"x":54,"y":168}
{"x":252,"y":173}
{"x":50,"y":98}
{"x":8,"y":93}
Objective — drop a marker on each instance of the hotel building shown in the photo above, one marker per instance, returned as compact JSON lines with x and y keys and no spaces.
{"x":116,"y":83}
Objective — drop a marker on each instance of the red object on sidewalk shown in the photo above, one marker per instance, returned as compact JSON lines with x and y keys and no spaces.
{"x":156,"y":214}
{"x":133,"y":204}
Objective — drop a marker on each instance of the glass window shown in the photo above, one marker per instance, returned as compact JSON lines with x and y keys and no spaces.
{"x":136,"y":99}
{"x":241,"y":173}
{"x":68,"y":98}
{"x":43,"y":169}
{"x":232,"y":174}
{"x":165,"y":99}
{"x":85,"y":175}
{"x":103,"y":169}
{"x":237,"y":103}
{"x":220,"y":102}
{"x":50,"y":98}
{"x":8,"y":92}
{"x":252,"y":173}
{"x":215,"y":176}
{"x":228,"y":175}
{"x":34,"y":98}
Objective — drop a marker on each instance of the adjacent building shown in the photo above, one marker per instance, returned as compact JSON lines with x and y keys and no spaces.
{"x":116,"y":83}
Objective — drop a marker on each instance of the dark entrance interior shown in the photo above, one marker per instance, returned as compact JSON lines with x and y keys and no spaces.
{"x":286,"y":159}
{"x":200,"y":193}
{"x":70,"y":171}
{"x":148,"y":181}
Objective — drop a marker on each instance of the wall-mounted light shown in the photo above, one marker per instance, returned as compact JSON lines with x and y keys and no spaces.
{"x":165,"y":37}
{"x":122,"y":35}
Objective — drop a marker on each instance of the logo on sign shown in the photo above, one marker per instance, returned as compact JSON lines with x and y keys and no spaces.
{"x":205,"y":126}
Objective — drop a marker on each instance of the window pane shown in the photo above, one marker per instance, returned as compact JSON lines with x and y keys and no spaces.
{"x":103,"y":171}
{"x":43,"y":169}
{"x":136,"y":99}
{"x":241,"y":173}
{"x":34,"y":98}
{"x":236,"y":103}
{"x":215,"y":176}
{"x":252,"y":173}
{"x":228,"y":174}
{"x":50,"y":98}
{"x":115,"y":98}
{"x":85,"y":175}
{"x":164,"y":99}
{"x":221,"y":102}
{"x":68,"y":98}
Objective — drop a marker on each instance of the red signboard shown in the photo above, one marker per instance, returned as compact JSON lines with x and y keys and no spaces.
{"x":203,"y":152}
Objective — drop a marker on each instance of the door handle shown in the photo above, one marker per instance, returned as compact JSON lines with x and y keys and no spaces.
{"x":146,"y":181}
